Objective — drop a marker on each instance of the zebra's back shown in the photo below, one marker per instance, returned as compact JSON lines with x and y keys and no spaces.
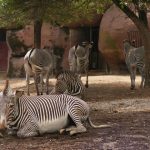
{"x":136,"y":56}
{"x":70,"y":81}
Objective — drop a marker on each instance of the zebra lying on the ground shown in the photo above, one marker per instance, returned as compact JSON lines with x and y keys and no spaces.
{"x":69,"y":83}
{"x":29,"y":116}
{"x":79,"y":59}
{"x":134,"y":58}
{"x":37,"y":63}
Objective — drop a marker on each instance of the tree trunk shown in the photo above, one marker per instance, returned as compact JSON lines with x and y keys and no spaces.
{"x":37,"y":33}
{"x":146,"y":42}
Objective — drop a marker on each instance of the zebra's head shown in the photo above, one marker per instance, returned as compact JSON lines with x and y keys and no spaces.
{"x":5,"y":96}
{"x":8,"y":101}
{"x":61,"y":87}
{"x":87,"y":44}
{"x":12,"y":109}
{"x":127,"y":46}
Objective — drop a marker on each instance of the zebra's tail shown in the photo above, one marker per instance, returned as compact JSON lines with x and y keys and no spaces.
{"x":97,"y":126}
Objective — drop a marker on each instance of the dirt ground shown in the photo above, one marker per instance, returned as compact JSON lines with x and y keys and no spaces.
{"x":112,"y":102}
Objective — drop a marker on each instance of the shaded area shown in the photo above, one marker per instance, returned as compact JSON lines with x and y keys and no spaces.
{"x":129,"y":131}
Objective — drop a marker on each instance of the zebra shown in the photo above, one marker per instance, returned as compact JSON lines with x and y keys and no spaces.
{"x":134,"y":58}
{"x":79,"y":59}
{"x":29,"y":116}
{"x":4,"y":94}
{"x":37,"y":63}
{"x":69,"y":83}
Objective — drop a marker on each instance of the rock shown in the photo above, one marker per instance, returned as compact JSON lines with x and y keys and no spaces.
{"x":114,"y":29}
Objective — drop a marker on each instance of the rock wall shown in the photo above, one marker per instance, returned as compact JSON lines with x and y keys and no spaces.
{"x":21,"y":41}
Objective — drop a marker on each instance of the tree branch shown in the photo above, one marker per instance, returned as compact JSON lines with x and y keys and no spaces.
{"x":130,"y":14}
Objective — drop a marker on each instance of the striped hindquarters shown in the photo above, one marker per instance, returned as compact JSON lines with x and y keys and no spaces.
{"x":82,"y":64}
{"x":136,"y":57}
{"x":45,"y":109}
{"x":69,"y":83}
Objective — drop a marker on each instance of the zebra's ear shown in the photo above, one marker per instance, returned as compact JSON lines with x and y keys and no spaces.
{"x":19,"y":93}
{"x":14,"y":99}
{"x":7,"y":91}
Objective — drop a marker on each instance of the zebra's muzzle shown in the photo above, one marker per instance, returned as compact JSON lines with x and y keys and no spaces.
{"x":3,"y":128}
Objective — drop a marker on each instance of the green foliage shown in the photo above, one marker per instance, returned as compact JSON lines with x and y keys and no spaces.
{"x":59,"y":12}
{"x":18,"y":12}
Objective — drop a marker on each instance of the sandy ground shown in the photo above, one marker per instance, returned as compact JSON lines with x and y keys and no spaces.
{"x":112,"y":102}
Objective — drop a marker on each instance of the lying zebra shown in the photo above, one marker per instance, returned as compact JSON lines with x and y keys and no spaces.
{"x":134,"y":58}
{"x":69,"y":83}
{"x":29,"y":116}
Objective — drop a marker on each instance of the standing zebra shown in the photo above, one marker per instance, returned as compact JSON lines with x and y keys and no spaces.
{"x":29,"y":116}
{"x":79,"y":59}
{"x":37,"y":63}
{"x":134,"y":58}
{"x":69,"y":83}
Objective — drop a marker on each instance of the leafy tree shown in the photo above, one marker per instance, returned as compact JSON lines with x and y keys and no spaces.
{"x":16,"y":13}
{"x":137,"y":11}
{"x":139,"y":17}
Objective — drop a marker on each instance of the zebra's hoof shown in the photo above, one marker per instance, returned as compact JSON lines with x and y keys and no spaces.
{"x":73,"y":132}
{"x":86,"y":85}
{"x":61,"y":131}
{"x":132,"y":88}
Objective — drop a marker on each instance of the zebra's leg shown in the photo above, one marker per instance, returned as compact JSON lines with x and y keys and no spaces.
{"x":142,"y":82}
{"x":142,"y":72}
{"x":36,"y":84}
{"x":47,"y":83}
{"x":27,"y":83}
{"x":83,"y":94}
{"x":77,"y":120}
{"x":27,"y":130}
{"x":41,"y":83}
{"x":86,"y":84}
{"x":132,"y":76}
{"x":78,"y":129}
{"x":68,"y":129}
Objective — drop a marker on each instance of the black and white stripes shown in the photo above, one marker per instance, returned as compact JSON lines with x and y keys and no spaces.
{"x":33,"y":115}
{"x":134,"y":58}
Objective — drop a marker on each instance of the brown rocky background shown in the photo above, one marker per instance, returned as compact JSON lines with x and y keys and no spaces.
{"x":114,"y":28}
{"x":21,"y":41}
